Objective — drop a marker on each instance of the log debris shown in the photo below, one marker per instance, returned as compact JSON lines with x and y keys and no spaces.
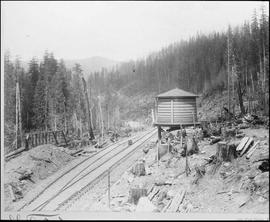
{"x":176,"y":201}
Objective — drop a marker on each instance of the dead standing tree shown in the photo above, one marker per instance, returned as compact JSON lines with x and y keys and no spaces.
{"x":91,"y":134}
{"x":240,"y":89}
{"x":18,"y":116}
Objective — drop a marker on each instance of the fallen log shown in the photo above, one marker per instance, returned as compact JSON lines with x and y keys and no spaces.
{"x":252,"y":149}
{"x":26,"y":175}
{"x":215,"y":140}
{"x":15,"y":152}
{"x":76,"y":152}
{"x":40,"y":159}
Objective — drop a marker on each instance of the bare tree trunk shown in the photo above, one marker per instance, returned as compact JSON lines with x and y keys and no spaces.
{"x":240,"y":96}
{"x":91,"y":134}
{"x":17,"y":118}
{"x":248,"y":88}
{"x":55,"y":123}
{"x":264,"y":81}
{"x":101,"y":118}
{"x":229,"y":93}
{"x":65,"y":119}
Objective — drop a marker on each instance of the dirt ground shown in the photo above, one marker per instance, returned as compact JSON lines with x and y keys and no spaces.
{"x":245,"y":189}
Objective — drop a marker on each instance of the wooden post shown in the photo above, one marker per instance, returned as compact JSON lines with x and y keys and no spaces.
{"x":159,"y":142}
{"x":55,"y":137}
{"x":159,"y":133}
{"x":171,"y":111}
{"x":109,"y":190}
{"x":193,"y":115}
{"x":153,"y":117}
{"x":64,"y":137}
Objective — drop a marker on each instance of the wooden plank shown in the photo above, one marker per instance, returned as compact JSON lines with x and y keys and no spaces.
{"x":252,"y":149}
{"x":167,"y":206}
{"x":246,"y":146}
{"x":153,"y":193}
{"x":242,"y":143}
{"x":177,"y":200}
{"x":171,"y":111}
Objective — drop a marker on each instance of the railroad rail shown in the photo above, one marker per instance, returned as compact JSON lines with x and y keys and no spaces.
{"x":79,"y":179}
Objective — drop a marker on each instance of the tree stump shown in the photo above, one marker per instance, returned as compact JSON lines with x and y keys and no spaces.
{"x":138,"y":169}
{"x":192,"y":146}
{"x":225,"y":152}
{"x":136,"y":193}
{"x":162,"y":150}
{"x":200,"y":172}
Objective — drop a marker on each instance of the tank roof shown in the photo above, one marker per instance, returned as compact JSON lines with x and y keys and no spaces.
{"x":176,"y":93}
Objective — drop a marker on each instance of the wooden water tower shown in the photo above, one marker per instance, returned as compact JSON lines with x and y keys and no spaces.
{"x":174,"y":109}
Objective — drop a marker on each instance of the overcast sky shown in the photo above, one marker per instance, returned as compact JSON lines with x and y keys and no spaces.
{"x":115,"y":30}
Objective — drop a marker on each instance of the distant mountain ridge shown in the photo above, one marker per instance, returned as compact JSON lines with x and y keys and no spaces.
{"x":92,"y":64}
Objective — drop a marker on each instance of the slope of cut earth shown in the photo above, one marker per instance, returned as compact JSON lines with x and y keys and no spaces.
{"x":42,"y":161}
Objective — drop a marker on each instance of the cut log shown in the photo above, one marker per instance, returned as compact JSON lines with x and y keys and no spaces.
{"x":241,"y":135}
{"x":135,"y":194}
{"x":177,"y":200}
{"x":252,"y":149}
{"x":26,"y":175}
{"x":242,"y":143}
{"x":247,"y":145}
{"x":215,"y":140}
{"x":13,"y":198}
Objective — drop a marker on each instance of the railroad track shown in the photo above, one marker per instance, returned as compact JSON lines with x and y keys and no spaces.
{"x":78,"y":180}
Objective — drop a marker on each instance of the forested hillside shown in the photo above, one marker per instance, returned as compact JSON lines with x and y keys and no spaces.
{"x":52,"y":96}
